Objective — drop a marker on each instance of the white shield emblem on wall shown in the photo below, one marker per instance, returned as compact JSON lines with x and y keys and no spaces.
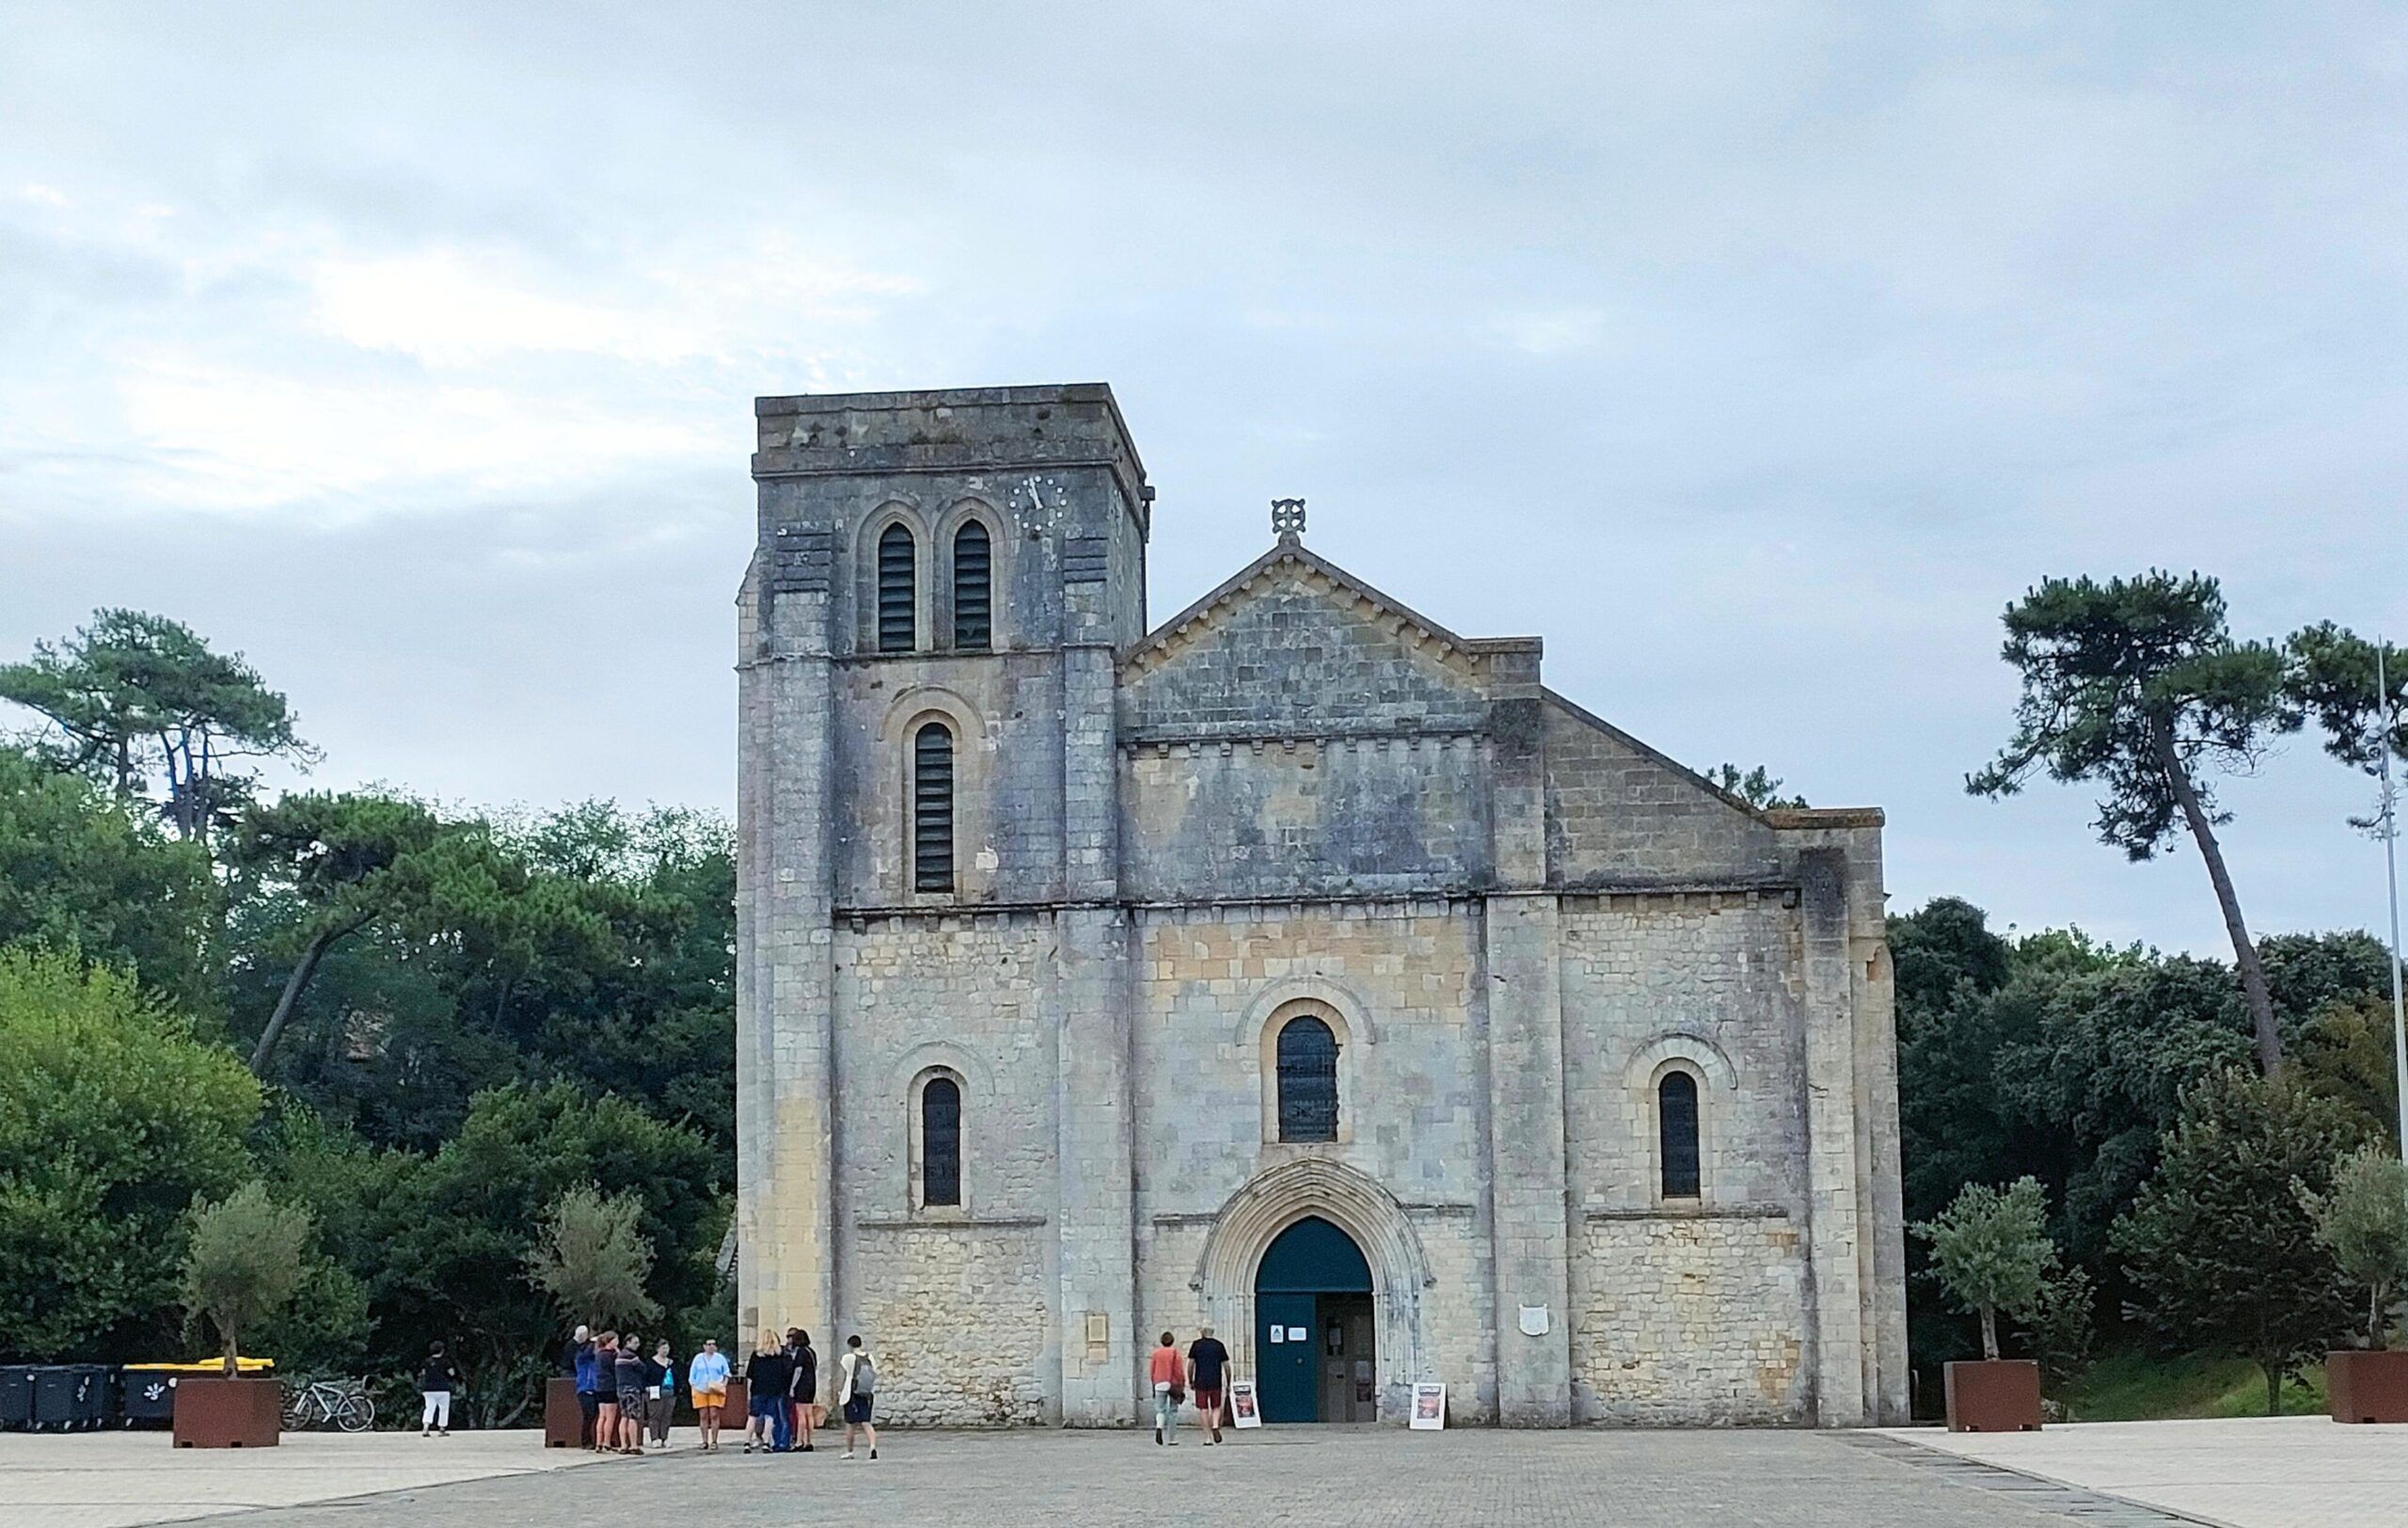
{"x":1534,"y":1320}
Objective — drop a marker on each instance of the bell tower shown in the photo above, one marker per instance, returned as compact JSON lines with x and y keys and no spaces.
{"x":928,"y":650}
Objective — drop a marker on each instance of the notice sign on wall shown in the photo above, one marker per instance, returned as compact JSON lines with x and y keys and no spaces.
{"x":1244,"y":1411}
{"x":1429,"y":1406}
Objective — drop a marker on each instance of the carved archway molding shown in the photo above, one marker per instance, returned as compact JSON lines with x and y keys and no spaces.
{"x":1277,"y":1197}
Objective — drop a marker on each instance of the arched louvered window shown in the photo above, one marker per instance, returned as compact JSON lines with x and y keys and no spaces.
{"x":1676,"y":1130}
{"x":1308,"y":1080}
{"x":974,"y":589}
{"x":898,"y":626}
{"x":932,"y":808}
{"x":941,"y":1141}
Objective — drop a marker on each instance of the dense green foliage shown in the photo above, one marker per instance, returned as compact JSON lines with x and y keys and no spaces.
{"x":2223,"y":1249}
{"x":453,"y":1021}
{"x":112,"y":1118}
{"x":2056,"y":1057}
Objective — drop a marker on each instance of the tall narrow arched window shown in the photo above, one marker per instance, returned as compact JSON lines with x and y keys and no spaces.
{"x":897,"y":590}
{"x":974,"y":589}
{"x":1308,"y":1080}
{"x":941,"y":1141}
{"x":932,"y":808}
{"x":1676,"y":1130}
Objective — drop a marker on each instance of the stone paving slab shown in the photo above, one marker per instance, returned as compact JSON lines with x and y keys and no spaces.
{"x":116,"y":1479}
{"x":2233,"y":1473}
{"x":1297,"y":1477}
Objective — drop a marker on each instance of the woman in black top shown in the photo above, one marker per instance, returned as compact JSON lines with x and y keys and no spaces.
{"x":802,"y":1392}
{"x":767,"y":1374}
{"x":436,"y":1382}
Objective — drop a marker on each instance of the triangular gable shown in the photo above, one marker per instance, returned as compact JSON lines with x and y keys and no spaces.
{"x":1294,"y":644}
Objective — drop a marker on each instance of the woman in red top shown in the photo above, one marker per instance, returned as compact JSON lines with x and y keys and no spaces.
{"x":1169,"y":1376}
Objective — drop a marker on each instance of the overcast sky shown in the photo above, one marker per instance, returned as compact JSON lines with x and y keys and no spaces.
{"x":1754,"y":355}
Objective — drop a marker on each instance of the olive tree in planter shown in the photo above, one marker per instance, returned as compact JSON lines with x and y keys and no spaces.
{"x":242,"y":1264}
{"x":1991,"y":1250}
{"x":2364,"y":1219}
{"x":592,"y":1261}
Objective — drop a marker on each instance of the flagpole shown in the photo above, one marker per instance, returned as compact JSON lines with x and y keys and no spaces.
{"x":2391,"y":889}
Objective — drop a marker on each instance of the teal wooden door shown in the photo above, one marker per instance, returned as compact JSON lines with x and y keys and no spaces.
{"x":1287,"y":1381}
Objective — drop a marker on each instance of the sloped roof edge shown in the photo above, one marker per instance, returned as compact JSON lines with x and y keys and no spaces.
{"x":1159,"y":639}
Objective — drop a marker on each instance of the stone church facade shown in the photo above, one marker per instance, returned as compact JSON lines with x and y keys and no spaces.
{"x":1084,"y":962}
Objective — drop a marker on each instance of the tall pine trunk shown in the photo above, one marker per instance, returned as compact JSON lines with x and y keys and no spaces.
{"x":2245,"y":950}
{"x":289,"y":998}
{"x":1990,"y":1332}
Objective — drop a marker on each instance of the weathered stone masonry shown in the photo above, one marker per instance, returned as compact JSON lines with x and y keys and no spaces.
{"x":1297,"y":797}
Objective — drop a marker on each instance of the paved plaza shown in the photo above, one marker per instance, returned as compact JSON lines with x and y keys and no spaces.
{"x":2285,"y":1473}
{"x":2243,"y":1473}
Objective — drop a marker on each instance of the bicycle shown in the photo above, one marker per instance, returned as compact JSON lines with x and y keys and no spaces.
{"x":317,"y":1402}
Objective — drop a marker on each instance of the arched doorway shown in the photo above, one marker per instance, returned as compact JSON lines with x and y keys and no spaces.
{"x":1314,"y":1325}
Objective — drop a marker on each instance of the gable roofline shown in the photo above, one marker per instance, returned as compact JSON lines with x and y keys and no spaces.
{"x":1157,"y":642}
{"x":1589,"y":718}
{"x":1773,"y":817}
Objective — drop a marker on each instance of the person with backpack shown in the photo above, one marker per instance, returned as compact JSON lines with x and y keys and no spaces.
{"x":765,"y":1375}
{"x":436,"y":1382}
{"x":631,"y":1370}
{"x":1169,"y":1376}
{"x":857,"y":1393}
{"x":802,"y":1391}
{"x":707,"y":1376}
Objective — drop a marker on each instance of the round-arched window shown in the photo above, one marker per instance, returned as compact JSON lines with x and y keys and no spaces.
{"x":1308,"y":1080}
{"x":1677,"y":1134}
{"x":941,"y":1141}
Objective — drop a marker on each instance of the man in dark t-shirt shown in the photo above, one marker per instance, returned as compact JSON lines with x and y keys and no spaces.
{"x":1206,"y":1363}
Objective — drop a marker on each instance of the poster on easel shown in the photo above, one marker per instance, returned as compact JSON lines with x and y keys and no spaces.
{"x":1244,"y":1412}
{"x":1429,"y":1406}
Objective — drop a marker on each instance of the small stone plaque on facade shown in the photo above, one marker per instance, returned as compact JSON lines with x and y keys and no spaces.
{"x":1534,"y":1320}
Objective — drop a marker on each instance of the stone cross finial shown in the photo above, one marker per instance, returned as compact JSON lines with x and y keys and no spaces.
{"x":1287,"y":518}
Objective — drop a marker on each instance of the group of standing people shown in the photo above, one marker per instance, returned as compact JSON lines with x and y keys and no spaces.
{"x":782,"y":1380}
{"x":622,"y":1393}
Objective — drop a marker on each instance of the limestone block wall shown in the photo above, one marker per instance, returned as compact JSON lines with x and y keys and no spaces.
{"x":1708,"y":980}
{"x":957,"y":1300}
{"x":1617,"y":813}
{"x":1006,"y":716}
{"x":959,"y":1319}
{"x":1400,"y":981}
{"x":1296,"y":652}
{"x":1401,"y":984}
{"x":1304,"y":817}
{"x":1688,"y":1311}
{"x":1691,"y":1320}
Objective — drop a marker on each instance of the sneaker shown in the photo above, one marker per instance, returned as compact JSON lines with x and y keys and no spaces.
{"x":747,"y":1448}
{"x":425,"y":1433}
{"x":848,"y":1453}
{"x":873,"y":1453}
{"x":442,"y":1432}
